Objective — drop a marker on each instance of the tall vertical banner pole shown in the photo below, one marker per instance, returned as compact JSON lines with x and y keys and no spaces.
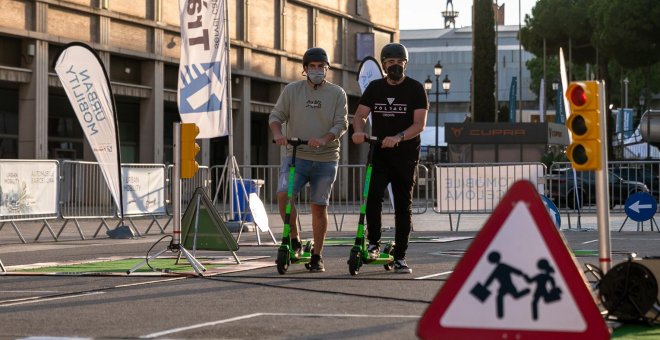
{"x":176,"y":186}
{"x":230,"y":121}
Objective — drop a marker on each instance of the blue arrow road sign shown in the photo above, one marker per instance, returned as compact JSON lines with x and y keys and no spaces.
{"x":641,"y":206}
{"x":552,"y":211}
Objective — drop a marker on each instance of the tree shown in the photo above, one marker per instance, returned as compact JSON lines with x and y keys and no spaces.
{"x":627,"y":31}
{"x":562,"y":23}
{"x":483,"y":61}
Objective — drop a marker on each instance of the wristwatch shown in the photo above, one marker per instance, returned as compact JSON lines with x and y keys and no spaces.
{"x":402,"y":136}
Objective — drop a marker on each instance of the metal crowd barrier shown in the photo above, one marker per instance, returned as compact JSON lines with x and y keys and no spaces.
{"x":17,"y":203}
{"x":345,"y":198}
{"x":576,"y":191}
{"x":81,"y":191}
{"x":476,"y":188}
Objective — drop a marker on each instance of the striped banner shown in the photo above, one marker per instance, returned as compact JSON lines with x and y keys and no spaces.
{"x":202,"y":88}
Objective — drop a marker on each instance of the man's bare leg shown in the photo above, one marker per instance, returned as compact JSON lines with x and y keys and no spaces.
{"x":320,"y":226}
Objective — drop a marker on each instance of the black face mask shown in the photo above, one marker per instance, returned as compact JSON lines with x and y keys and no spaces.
{"x":395,"y":72}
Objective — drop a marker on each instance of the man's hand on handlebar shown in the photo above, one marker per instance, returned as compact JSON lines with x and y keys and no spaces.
{"x":280,"y":140}
{"x":359,"y":137}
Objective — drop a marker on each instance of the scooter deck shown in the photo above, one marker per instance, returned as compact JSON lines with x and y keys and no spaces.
{"x":382,"y":259}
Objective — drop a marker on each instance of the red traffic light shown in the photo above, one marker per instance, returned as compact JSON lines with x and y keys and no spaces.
{"x":578,"y":96}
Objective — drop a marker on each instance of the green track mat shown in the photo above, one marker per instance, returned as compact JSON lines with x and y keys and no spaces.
{"x":636,"y":332}
{"x":123,"y":265}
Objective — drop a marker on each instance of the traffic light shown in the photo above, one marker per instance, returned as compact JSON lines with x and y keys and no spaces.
{"x":189,"y":150}
{"x":584,"y":125}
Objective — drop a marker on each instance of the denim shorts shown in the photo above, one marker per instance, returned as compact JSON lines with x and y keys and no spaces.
{"x":319,"y":175}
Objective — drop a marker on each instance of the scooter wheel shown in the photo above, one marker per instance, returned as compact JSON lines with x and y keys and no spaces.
{"x":283,"y":261}
{"x":354,"y":261}
{"x":388,"y":250}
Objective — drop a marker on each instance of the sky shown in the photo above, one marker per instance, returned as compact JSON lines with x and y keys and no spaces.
{"x":424,"y":14}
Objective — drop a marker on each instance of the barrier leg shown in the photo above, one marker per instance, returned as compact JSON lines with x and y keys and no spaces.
{"x":271,"y":236}
{"x":103,"y":223}
{"x":79,"y":229}
{"x":18,"y":232}
{"x":624,"y":223}
{"x":130,"y":220}
{"x":240,"y":231}
{"x":50,"y":230}
{"x":154,"y":220}
{"x":167,"y":223}
{"x":75,"y":220}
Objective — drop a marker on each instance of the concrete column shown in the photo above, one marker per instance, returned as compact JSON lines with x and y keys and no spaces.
{"x":33,"y":97}
{"x":151,"y":114}
{"x":33,"y":108}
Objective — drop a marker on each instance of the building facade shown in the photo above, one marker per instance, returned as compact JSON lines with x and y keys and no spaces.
{"x":139,"y":43}
{"x":452,"y":47}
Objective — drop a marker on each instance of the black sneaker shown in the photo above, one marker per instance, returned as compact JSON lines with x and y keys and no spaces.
{"x":373,"y":251}
{"x":401,"y":267}
{"x":316,"y":264}
{"x":296,"y":246}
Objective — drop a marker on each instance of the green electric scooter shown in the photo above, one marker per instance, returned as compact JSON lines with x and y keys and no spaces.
{"x":359,"y":254}
{"x":286,"y":255}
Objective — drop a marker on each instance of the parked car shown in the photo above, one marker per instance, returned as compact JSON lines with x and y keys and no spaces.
{"x":561,"y":188}
{"x":646,"y":173}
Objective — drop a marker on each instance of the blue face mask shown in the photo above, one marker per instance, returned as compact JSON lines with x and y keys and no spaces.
{"x":316,"y":76}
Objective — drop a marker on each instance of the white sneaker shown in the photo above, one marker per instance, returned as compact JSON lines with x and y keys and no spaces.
{"x":401,"y":267}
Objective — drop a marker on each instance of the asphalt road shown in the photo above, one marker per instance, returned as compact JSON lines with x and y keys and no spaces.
{"x":260,"y":303}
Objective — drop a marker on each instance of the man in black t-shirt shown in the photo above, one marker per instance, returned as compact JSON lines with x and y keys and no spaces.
{"x":398,"y":107}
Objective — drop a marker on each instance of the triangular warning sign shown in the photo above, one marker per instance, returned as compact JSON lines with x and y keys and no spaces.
{"x":211,"y":232}
{"x":517,"y":280}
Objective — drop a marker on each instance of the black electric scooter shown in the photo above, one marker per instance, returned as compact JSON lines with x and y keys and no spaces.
{"x":286,"y":255}
{"x":359,"y":254}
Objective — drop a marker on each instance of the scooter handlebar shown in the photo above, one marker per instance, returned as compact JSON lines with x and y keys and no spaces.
{"x":295,"y":141}
{"x":373,"y":140}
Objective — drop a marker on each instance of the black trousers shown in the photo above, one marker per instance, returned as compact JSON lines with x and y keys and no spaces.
{"x":403,"y":176}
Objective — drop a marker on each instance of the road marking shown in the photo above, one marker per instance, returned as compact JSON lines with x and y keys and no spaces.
{"x":37,"y":299}
{"x":249,"y":316}
{"x":433,"y":275}
{"x":29,"y":291}
{"x":592,"y":241}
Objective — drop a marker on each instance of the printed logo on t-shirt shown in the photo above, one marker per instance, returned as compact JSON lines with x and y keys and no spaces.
{"x":313,"y":104}
{"x":390,"y":109}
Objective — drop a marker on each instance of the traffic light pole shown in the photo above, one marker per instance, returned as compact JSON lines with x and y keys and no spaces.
{"x":175,"y":245}
{"x":602,"y":190}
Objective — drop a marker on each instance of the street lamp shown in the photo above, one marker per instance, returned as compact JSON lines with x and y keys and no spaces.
{"x":446,"y":84}
{"x":428,"y":84}
{"x":437,"y":70}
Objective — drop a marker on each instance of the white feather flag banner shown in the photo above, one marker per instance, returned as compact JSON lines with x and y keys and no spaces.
{"x":202,"y":89}
{"x":87,"y":86}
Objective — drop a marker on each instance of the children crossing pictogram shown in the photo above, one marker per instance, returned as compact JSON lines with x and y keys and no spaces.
{"x":517,"y":280}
